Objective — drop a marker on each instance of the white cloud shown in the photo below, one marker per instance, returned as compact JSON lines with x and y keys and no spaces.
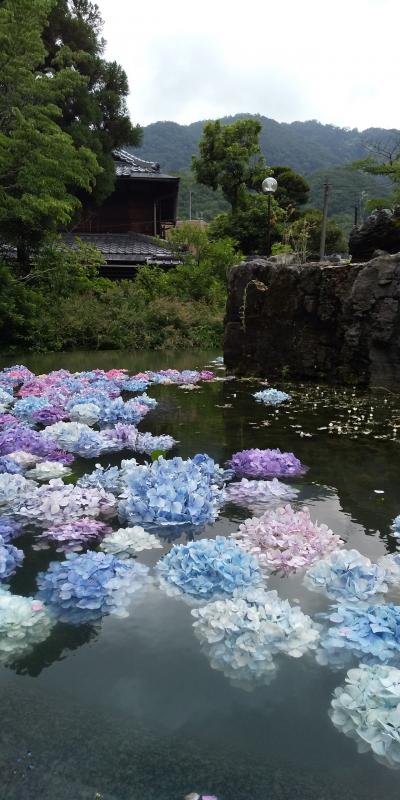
{"x":336,"y":62}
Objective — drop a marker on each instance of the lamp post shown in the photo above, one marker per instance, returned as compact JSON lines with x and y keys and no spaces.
{"x":269,"y":187}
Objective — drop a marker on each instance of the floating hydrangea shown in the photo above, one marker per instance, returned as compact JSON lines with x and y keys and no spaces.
{"x":396,"y":526}
{"x":242,"y":634}
{"x":266,"y":463}
{"x":127,"y":542}
{"x":285,"y":539}
{"x":366,"y":709}
{"x":24,"y":459}
{"x":347,"y":575}
{"x":47,"y":470}
{"x":101,"y":478}
{"x":14,"y":488}
{"x":78,"y":438}
{"x":57,"y":502}
{"x":251,"y":493}
{"x":20,"y":437}
{"x":271,"y":397}
{"x":87,"y":586}
{"x":10,"y":559}
{"x":174,"y":492}
{"x":9,"y":465}
{"x":371,"y":631}
{"x":24,"y":622}
{"x":209,"y":567}
{"x":391,"y":565}
{"x":127,"y":437}
{"x":75,"y":536}
{"x":9,"y":529}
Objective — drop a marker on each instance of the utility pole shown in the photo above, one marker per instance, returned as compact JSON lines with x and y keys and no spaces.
{"x":327,"y":189}
{"x":190,"y":205}
{"x":356,"y":214}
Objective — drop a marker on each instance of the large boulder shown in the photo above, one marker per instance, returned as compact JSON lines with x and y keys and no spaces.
{"x":339,"y":323}
{"x":381,"y":231}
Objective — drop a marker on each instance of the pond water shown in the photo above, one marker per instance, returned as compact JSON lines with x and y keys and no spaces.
{"x":131,"y":708}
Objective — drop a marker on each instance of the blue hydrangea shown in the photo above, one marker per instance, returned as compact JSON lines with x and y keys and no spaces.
{"x":371,"y":631}
{"x":209,"y":567}
{"x":10,"y":466}
{"x":101,"y":478}
{"x":347,"y":575}
{"x":85,"y":587}
{"x":133,"y":385}
{"x":271,"y":397}
{"x":26,"y":407}
{"x":396,"y":526}
{"x":10,"y":559}
{"x":9,"y":529}
{"x":170,"y":493}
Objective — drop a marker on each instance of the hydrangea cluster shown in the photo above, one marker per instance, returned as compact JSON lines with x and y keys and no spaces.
{"x":251,"y":493}
{"x":87,"y":586}
{"x":20,"y":437}
{"x":56,"y":502}
{"x":9,"y":465}
{"x":106,"y":411}
{"x":74,"y":536}
{"x":209,"y":567}
{"x":166,"y":376}
{"x":174,"y":492}
{"x":267,"y":463}
{"x":391,"y":565}
{"x":9,"y":529}
{"x":14,"y":487}
{"x":46,"y":470}
{"x":366,"y":709}
{"x":396,"y":526}
{"x":285,"y":539}
{"x":80,"y":439}
{"x":24,"y":622}
{"x":245,"y":632}
{"x":127,"y":437}
{"x":271,"y":397}
{"x":347,"y":575}
{"x":363,"y":630}
{"x":108,"y":479}
{"x":10,"y":559}
{"x":126,"y":542}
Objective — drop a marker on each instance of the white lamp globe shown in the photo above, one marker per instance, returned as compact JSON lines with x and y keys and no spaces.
{"x":269,"y":185}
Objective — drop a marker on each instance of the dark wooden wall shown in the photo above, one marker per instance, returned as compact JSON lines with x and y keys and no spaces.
{"x":131,"y":208}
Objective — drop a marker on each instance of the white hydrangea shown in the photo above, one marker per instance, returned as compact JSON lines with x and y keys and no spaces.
{"x":24,"y":622}
{"x":47,"y":470}
{"x":127,"y":542}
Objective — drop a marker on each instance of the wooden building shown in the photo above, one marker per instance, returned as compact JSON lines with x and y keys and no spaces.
{"x":143,"y":205}
{"x":144,"y":200}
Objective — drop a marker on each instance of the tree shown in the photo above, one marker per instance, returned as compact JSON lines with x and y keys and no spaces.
{"x":40,"y":165}
{"x":292,"y":190}
{"x":305,"y":233}
{"x":384,"y":159}
{"x":230,"y":158}
{"x":248,"y":225}
{"x":95,"y":114}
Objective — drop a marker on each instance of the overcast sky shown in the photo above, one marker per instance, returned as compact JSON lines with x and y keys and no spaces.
{"x":336,"y":61}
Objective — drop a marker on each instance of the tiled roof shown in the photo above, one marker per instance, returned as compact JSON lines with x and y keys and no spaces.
{"x":130,"y":248}
{"x":129,"y":166}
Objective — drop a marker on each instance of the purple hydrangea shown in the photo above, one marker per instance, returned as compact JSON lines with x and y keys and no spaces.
{"x":267,"y":463}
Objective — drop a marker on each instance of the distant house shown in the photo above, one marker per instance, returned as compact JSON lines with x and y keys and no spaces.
{"x":143,"y":205}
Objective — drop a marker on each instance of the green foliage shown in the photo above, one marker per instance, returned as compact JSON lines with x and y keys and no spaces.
{"x":62,"y":304}
{"x":292,"y":190}
{"x":230,"y":159}
{"x":349,"y":188}
{"x":206,"y":203}
{"x":95,"y":113}
{"x":305,"y":233}
{"x":40,"y":165}
{"x":248,"y":225}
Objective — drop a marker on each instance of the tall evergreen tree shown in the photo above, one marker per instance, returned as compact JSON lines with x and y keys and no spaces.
{"x":95,"y":114}
{"x":41,"y":166}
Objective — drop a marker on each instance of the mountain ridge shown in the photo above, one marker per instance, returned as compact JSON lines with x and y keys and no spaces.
{"x":304,"y":146}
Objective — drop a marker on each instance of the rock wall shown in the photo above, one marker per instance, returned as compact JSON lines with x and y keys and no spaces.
{"x":339,"y":323}
{"x":381,"y":231}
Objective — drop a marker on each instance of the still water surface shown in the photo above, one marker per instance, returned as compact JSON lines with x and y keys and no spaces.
{"x":131,"y":708}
